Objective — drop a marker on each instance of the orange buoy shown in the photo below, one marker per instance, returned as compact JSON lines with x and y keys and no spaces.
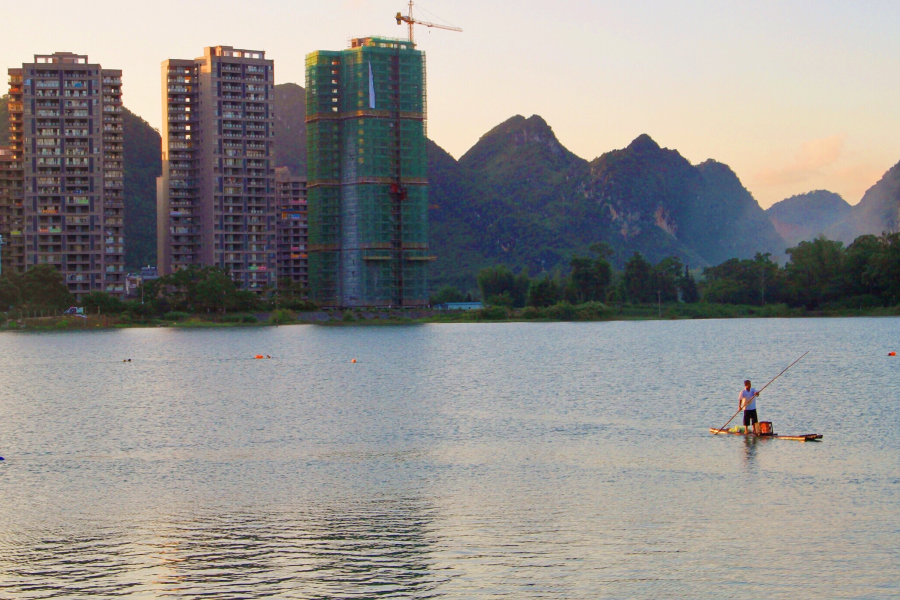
{"x":258,"y":356}
{"x":892,"y":354}
{"x":353,"y":361}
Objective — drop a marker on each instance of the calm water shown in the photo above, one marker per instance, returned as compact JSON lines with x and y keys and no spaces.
{"x":459,"y":461}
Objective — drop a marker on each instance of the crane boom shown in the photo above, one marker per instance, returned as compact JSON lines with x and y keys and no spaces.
{"x":410,"y":21}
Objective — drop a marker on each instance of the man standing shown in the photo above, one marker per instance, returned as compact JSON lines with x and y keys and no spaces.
{"x":747,"y":403}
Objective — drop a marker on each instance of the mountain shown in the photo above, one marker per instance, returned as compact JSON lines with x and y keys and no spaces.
{"x":290,"y":127}
{"x":655,"y":195}
{"x":454,"y":220}
{"x":143,"y":164}
{"x":806,"y":216}
{"x":878,"y":211}
{"x":521,"y":198}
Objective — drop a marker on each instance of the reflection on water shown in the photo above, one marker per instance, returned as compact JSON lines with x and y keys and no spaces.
{"x":750,"y":447}
{"x":337,"y":550}
{"x":469,"y":461}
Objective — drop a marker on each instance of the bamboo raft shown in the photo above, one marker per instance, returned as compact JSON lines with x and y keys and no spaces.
{"x":805,"y":437}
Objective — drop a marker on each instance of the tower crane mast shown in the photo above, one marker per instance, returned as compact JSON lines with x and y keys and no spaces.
{"x":410,"y":21}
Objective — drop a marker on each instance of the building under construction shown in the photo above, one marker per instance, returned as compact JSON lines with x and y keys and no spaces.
{"x":368,"y":194}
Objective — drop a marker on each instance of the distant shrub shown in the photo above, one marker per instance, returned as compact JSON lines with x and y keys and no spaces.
{"x":591,"y":311}
{"x":777,"y":310}
{"x":493,"y":313}
{"x":854,"y":302}
{"x":348,"y":317}
{"x":303,"y":306}
{"x":561,"y":311}
{"x":532,"y":312}
{"x":176,"y":316}
{"x":281,"y":316}
{"x":249,"y":319}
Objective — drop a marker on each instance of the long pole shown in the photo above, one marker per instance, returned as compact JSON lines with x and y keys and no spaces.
{"x":760,"y":391}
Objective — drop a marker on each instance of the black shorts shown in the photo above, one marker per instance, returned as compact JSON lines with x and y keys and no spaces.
{"x":750,"y":417}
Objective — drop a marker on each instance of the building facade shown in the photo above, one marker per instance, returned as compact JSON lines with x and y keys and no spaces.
{"x":216,"y":197}
{"x":290,"y":193}
{"x":65,"y":118}
{"x":368,"y":194}
{"x":12,"y":256}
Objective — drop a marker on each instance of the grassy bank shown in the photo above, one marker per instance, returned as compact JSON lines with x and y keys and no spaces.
{"x":592,"y":311}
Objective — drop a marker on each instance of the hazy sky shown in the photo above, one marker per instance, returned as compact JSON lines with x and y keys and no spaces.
{"x":794,"y":96}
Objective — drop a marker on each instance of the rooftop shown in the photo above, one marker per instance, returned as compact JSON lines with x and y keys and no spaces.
{"x":235,"y":52}
{"x":381,"y":42}
{"x":61,"y":57}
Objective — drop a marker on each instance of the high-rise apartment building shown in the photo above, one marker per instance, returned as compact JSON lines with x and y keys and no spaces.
{"x":368,"y":194}
{"x":65,"y":118}
{"x":12,"y":257}
{"x":216,"y":197}
{"x":290,"y":193}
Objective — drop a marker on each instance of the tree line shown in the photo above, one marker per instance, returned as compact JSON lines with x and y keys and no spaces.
{"x":818,"y":274}
{"x":196,"y":289}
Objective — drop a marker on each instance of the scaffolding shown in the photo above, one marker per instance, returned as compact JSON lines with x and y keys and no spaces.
{"x":368,"y":197}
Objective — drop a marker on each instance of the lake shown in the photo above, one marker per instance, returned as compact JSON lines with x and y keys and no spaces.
{"x":519,"y":460}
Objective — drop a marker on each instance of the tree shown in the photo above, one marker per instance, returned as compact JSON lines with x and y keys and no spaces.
{"x":494,"y":282}
{"x":766,"y":274}
{"x":448,"y":293}
{"x":543,"y":292}
{"x":689,"y":292}
{"x":44,"y":287}
{"x":666,"y":277}
{"x":10,"y":293}
{"x":860,"y":266}
{"x":591,"y":278}
{"x":291,"y":294}
{"x":102,"y":302}
{"x":197,"y":289}
{"x":814,"y":273}
{"x":638,"y":280}
{"x":746,"y":281}
{"x":885,"y":268}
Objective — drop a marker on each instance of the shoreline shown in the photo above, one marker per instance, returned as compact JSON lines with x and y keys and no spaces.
{"x":592,"y":312}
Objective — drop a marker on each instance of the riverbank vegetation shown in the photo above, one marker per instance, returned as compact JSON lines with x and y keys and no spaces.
{"x":821,"y":278}
{"x":821,"y":275}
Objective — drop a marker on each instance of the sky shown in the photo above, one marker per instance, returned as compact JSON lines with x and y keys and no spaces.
{"x":793,"y":95}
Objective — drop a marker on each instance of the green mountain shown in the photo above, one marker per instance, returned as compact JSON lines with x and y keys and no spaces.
{"x":655,"y":197}
{"x":143,"y":164}
{"x":519,"y":197}
{"x":290,"y":127}
{"x":876,"y":213}
{"x":805,"y":216}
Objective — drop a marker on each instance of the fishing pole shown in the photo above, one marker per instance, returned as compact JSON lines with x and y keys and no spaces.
{"x":760,"y":391}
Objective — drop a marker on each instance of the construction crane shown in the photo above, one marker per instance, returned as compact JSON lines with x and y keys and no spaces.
{"x":410,"y":21}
